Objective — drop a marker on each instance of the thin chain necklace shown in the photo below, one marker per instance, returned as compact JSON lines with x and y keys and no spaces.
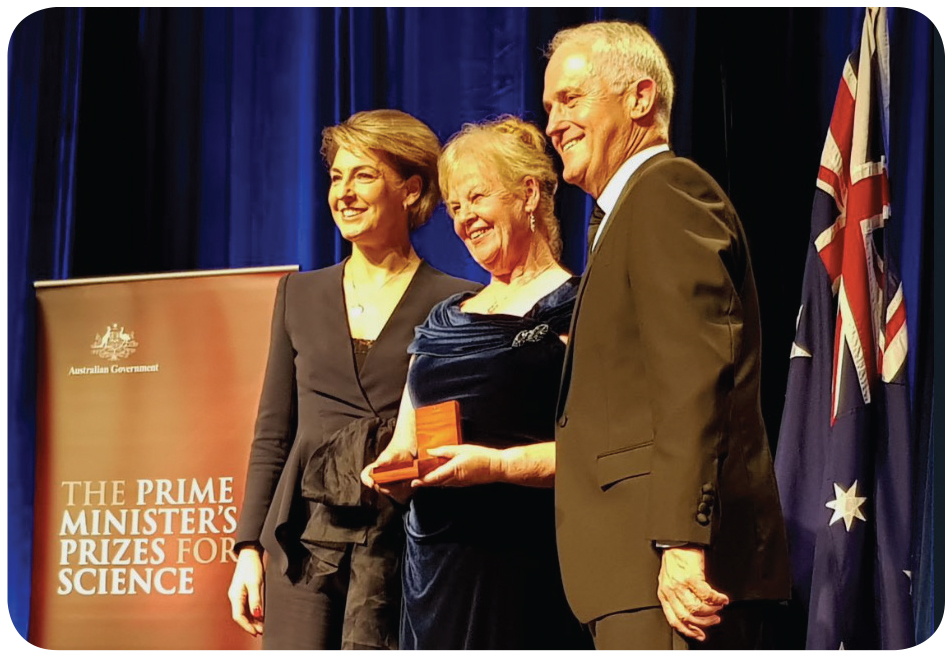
{"x":357,"y":308}
{"x":499,"y":300}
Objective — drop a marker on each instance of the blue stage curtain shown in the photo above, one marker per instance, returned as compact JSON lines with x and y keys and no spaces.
{"x":44,"y":87}
{"x":191,"y":138}
{"x":915,"y":145}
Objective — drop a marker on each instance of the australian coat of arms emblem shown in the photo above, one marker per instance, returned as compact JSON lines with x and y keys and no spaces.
{"x":115,"y":343}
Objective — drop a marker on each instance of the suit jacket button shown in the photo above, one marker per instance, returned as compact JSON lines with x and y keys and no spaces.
{"x":707,"y":488}
{"x":703,"y":508}
{"x":707,"y":498}
{"x":563,"y":420}
{"x":703,"y":519}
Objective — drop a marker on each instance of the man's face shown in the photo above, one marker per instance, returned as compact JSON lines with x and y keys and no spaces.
{"x":588,"y":122}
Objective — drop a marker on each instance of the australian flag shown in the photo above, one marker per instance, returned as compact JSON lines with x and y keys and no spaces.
{"x":844,"y":456}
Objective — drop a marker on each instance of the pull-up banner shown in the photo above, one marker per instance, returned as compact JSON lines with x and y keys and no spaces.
{"x":147,"y":393}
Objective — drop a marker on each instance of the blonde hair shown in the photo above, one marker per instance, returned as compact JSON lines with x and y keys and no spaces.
{"x":621,"y":52}
{"x":402,"y":141}
{"x":510,"y":149}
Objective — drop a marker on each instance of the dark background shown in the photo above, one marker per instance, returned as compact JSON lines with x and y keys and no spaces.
{"x":151,"y":140}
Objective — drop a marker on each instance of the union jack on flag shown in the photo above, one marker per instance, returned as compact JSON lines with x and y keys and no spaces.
{"x":844,"y":459}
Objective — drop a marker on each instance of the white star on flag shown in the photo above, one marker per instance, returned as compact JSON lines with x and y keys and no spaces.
{"x":797,"y":351}
{"x":846,"y":505}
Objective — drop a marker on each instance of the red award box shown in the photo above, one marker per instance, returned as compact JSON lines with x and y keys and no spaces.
{"x":436,"y":425}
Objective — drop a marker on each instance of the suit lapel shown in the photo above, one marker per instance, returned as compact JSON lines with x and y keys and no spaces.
{"x":609,"y":219}
{"x":632,"y":181}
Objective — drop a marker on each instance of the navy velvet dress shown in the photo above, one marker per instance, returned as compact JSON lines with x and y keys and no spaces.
{"x":480,"y":569}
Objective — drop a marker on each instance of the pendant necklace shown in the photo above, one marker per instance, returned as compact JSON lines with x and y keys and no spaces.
{"x":357,"y":309}
{"x":499,"y":300}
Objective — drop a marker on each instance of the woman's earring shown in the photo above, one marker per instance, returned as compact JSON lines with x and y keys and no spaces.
{"x":532,"y":221}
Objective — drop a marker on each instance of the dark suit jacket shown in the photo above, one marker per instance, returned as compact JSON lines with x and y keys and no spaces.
{"x":660,"y":435}
{"x":313,"y":391}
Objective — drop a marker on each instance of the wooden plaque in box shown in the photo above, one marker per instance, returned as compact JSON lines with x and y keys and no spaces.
{"x":436,"y":425}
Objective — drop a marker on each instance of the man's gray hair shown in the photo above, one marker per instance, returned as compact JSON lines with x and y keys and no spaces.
{"x":621,"y":53}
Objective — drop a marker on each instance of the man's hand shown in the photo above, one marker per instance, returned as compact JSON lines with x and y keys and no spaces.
{"x":468,"y":464}
{"x":688,"y":602}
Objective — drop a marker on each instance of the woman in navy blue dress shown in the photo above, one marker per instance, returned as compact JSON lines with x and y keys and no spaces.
{"x":480,"y":569}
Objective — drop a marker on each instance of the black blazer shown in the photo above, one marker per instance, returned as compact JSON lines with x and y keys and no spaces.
{"x":660,"y":435}
{"x":313,"y":391}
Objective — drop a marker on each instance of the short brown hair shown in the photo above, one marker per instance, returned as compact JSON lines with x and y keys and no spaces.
{"x":404,"y":142}
{"x":510,"y":149}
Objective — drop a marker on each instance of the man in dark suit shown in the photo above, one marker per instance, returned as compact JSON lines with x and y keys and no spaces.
{"x":669,"y":526}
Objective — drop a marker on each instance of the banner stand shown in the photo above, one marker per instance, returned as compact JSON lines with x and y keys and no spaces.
{"x":147,"y":394}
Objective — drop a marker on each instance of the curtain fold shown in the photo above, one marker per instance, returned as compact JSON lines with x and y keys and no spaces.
{"x":915,"y":146}
{"x":192,"y":138}
{"x":44,"y":87}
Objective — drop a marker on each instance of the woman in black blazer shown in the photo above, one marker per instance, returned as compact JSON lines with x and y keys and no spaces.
{"x":336,"y":369}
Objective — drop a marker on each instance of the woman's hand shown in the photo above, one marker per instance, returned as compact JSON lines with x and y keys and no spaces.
{"x":469,"y":464}
{"x":246,"y":591}
{"x":398,"y":491}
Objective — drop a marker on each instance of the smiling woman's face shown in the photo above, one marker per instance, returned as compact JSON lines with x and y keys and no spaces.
{"x":366,"y":197}
{"x":489,"y":219}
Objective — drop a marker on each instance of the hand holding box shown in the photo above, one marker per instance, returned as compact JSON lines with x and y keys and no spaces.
{"x":436,"y":425}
